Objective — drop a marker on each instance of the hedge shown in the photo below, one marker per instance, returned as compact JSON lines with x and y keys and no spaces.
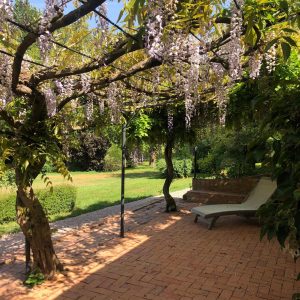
{"x":61,"y":200}
{"x":7,"y":208}
{"x":182,"y":167}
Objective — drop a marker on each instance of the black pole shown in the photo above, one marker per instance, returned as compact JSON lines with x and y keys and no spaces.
{"x":27,"y":256}
{"x":122,"y":230}
{"x":195,"y":161}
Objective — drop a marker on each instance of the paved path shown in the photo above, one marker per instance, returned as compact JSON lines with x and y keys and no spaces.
{"x":164,"y":256}
{"x":11,"y":242}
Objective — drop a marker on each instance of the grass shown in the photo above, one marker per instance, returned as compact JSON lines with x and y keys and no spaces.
{"x":99,"y":190}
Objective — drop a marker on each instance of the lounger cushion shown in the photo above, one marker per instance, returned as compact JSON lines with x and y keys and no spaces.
{"x":208,"y":211}
{"x":258,"y":196}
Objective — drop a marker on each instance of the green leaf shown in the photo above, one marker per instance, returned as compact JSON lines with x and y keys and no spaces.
{"x":290,"y":41}
{"x":34,"y":279}
{"x":286,"y":50}
{"x":120,"y":15}
{"x":284,"y":6}
{"x":282,"y":234}
{"x":56,"y":129}
{"x":26,"y":164}
{"x":290,"y":30}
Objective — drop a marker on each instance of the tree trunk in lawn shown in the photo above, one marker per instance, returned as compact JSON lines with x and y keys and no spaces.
{"x":152,"y":159}
{"x":35,"y":227}
{"x":170,"y":202}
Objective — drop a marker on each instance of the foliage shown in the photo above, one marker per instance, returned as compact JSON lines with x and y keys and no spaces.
{"x":137,"y":137}
{"x":61,"y":200}
{"x":139,"y":126}
{"x":7,"y":179}
{"x":48,"y":168}
{"x":113,"y":158}
{"x":7,"y":208}
{"x":276,"y":107}
{"x":224,"y":153}
{"x":89,"y":153}
{"x":34,"y":278}
{"x":182,"y":167}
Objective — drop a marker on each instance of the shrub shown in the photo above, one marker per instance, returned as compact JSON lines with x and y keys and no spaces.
{"x":224,"y":152}
{"x":113,"y":158}
{"x":182,"y":167}
{"x":89,"y":153}
{"x":8,"y":208}
{"x":62,"y":199}
{"x":161,"y":166}
{"x":7,"y":179}
{"x":207,"y":164}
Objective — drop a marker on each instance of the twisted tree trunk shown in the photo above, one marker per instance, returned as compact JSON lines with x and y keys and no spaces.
{"x":35,"y":227}
{"x":170,"y":202}
{"x":30,"y":214}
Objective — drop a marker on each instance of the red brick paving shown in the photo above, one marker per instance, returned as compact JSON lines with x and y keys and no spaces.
{"x":164,"y":256}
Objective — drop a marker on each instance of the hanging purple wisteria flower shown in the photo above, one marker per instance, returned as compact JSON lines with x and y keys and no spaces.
{"x":50,"y":102}
{"x":52,"y":10}
{"x":6,"y":11}
{"x":5,"y":79}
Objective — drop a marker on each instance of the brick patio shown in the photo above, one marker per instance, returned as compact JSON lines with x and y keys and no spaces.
{"x":164,"y":256}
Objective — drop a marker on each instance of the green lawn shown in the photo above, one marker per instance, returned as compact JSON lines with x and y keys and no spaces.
{"x":98,"y":190}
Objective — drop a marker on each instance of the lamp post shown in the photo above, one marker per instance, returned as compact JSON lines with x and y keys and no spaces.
{"x":124,"y":128}
{"x":122,"y":230}
{"x":195,"y":161}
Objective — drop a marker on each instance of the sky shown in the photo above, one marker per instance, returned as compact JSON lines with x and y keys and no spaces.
{"x":113,"y":6}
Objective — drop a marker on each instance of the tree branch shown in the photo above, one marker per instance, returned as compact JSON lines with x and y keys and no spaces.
{"x":100,"y":84}
{"x":30,"y":38}
{"x":145,"y":64}
{"x":108,"y":58}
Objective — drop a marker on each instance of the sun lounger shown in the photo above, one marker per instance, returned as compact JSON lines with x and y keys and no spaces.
{"x":258,"y":196}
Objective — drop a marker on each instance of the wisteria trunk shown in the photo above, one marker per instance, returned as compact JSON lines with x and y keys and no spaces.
{"x":170,"y":202}
{"x":36,"y":229}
